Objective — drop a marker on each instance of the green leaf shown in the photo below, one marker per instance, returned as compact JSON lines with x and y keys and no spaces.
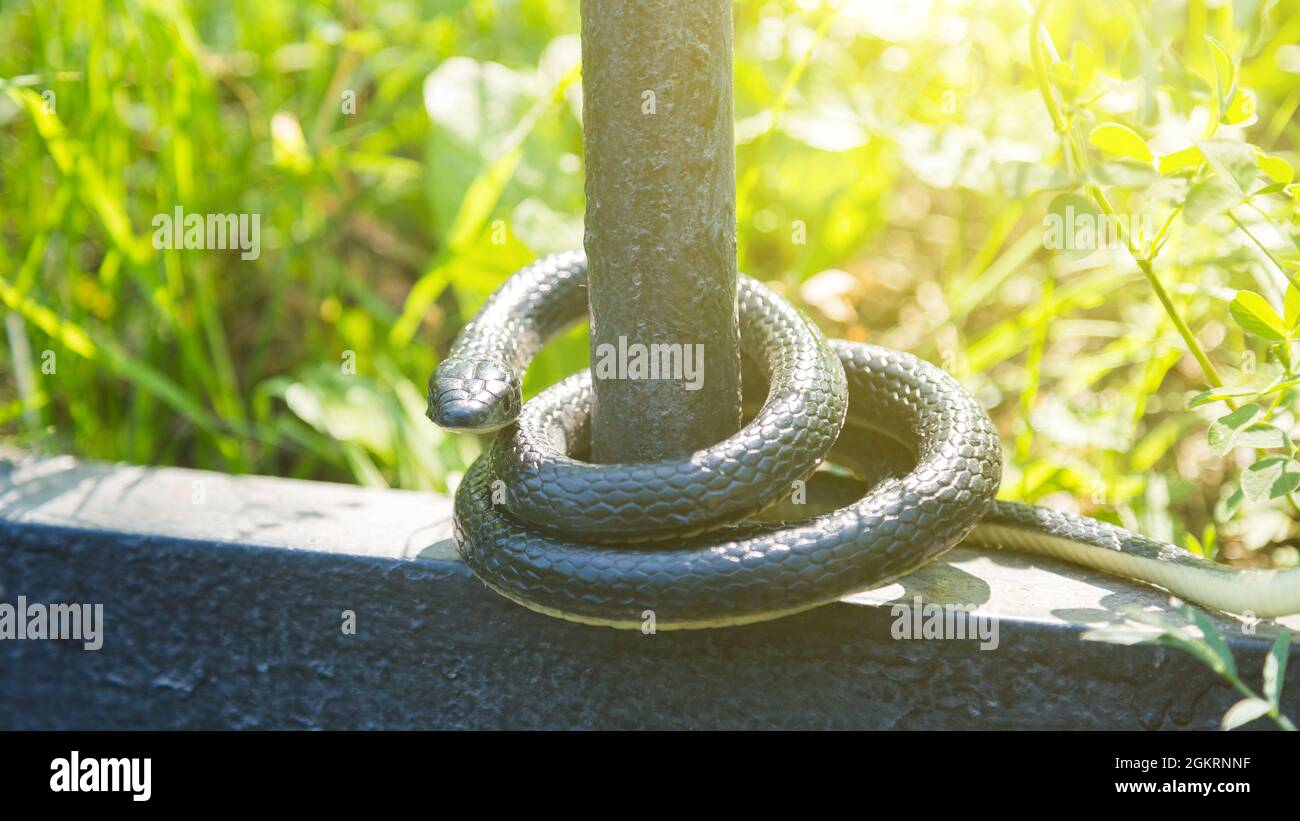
{"x":1242,"y":107}
{"x":1063,"y":78}
{"x":1271,"y":188}
{"x":1291,"y":306}
{"x":1225,"y":68}
{"x":1281,"y":385}
{"x":1232,"y":160}
{"x":1121,"y":141}
{"x":1207,"y":198}
{"x":1276,"y":169}
{"x":1188,"y":158}
{"x":1195,"y":647}
{"x":1255,"y":316}
{"x":1275,"y":667}
{"x":93,"y":182}
{"x":1218,"y":395}
{"x":1244,"y":712}
{"x":1209,"y":541}
{"x":1212,"y":637}
{"x":1071,"y":225}
{"x":1227,"y":508}
{"x":1084,"y":63}
{"x":1224,"y":431}
{"x":1261,"y":435}
{"x":1270,"y":478}
{"x":1125,"y":633}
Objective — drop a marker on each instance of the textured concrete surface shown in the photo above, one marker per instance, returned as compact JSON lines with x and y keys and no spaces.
{"x":224,"y":599}
{"x":661,"y":218}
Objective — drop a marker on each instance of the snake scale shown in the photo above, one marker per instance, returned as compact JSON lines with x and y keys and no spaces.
{"x":605,"y":543}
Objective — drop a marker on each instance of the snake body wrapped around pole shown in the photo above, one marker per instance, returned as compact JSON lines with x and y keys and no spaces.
{"x":605,"y":543}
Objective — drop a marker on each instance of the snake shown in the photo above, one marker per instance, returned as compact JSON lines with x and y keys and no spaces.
{"x":696,"y":542}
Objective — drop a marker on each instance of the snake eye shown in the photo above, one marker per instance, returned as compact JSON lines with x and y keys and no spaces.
{"x":474,"y":395}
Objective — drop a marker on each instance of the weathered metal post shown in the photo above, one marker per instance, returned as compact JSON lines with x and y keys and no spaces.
{"x":661,"y":226}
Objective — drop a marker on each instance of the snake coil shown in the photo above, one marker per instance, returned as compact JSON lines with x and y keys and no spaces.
{"x":604,"y":544}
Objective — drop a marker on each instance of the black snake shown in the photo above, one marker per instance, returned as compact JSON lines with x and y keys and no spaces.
{"x":539,"y":525}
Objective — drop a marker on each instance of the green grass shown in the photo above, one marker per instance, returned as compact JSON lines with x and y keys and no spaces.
{"x":914,"y":151}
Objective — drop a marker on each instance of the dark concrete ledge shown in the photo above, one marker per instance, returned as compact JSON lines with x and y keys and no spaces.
{"x":224,"y":601}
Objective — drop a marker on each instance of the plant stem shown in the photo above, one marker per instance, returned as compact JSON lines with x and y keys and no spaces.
{"x":1077,"y":151}
{"x":1159,"y":241}
{"x":1242,"y":226}
{"x":1194,"y":345}
{"x":1278,"y":717}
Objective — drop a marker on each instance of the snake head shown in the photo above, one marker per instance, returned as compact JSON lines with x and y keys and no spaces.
{"x":474,"y":395}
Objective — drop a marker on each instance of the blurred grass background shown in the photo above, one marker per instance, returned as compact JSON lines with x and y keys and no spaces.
{"x":891,"y":161}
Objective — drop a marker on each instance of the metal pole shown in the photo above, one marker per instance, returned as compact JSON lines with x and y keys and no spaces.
{"x":661,"y":226}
